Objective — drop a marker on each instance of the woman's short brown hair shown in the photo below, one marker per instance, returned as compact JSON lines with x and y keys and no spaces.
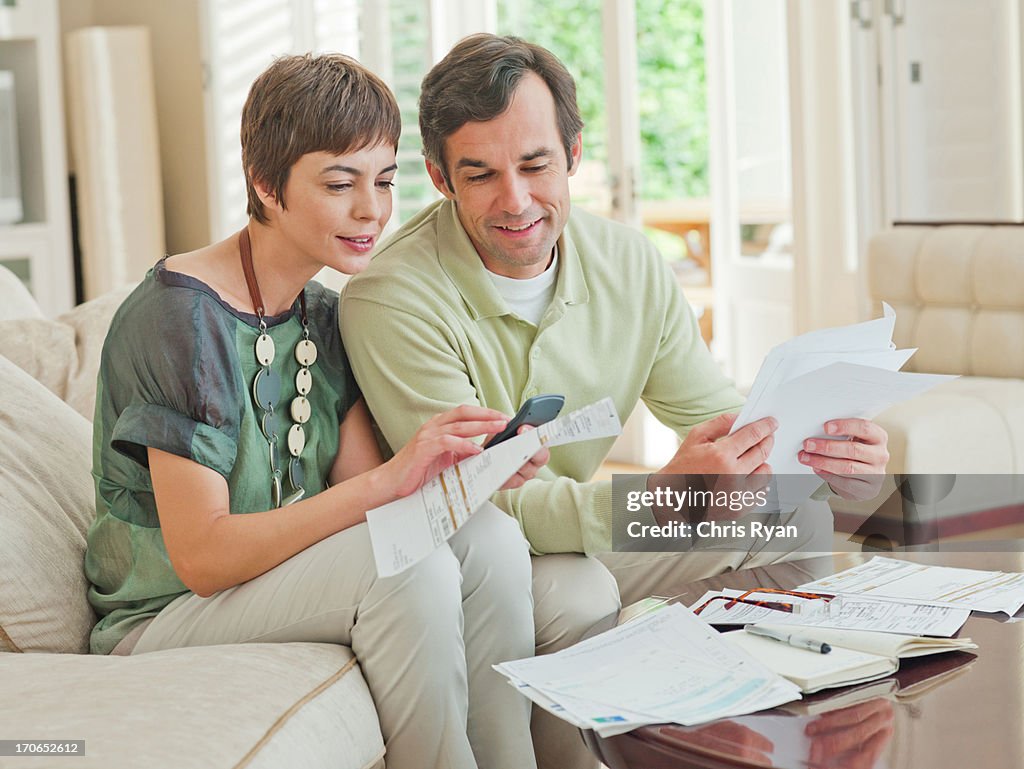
{"x":302,"y":104}
{"x":476,"y":82}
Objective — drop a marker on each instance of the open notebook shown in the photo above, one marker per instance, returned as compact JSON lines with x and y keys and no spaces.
{"x":909,"y":683}
{"x":857,"y":655}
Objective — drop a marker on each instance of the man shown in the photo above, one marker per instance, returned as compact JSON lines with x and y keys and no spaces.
{"x":501,"y":292}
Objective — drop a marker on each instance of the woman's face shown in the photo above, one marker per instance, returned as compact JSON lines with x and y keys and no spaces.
{"x":337,"y":206}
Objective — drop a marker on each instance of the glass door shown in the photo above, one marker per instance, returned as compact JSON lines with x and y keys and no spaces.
{"x":752,"y":234}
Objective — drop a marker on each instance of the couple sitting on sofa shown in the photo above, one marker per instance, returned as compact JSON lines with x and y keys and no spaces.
{"x":225,"y":388}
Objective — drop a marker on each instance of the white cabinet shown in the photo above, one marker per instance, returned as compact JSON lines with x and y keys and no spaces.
{"x":937,"y":103}
{"x":38,"y":248}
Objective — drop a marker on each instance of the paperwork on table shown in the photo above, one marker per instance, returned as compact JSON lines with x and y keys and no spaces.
{"x":666,"y":666}
{"x":843,"y":612}
{"x":832,"y":373}
{"x":888,"y":579}
{"x":409,"y":529}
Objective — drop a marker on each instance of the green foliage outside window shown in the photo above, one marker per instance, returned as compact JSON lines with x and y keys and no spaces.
{"x":672,"y":100}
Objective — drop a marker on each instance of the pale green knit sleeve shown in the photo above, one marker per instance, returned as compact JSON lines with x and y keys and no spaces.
{"x":685,"y":386}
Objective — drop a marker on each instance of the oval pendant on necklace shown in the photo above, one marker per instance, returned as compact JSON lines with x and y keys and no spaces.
{"x":265,"y":350}
{"x":303,"y":381}
{"x":269,"y":425}
{"x":301,"y":410}
{"x":305,"y":353}
{"x":296,"y":440}
{"x":296,"y":475}
{"x":266,"y":388}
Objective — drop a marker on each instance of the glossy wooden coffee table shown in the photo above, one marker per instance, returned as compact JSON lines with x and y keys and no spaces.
{"x":958,"y":711}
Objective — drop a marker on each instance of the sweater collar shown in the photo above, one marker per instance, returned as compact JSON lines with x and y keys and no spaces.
{"x":462,"y":264}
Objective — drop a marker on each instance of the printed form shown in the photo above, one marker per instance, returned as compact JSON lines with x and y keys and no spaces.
{"x":888,"y":579}
{"x":843,"y":612}
{"x":407,"y":530}
{"x":665,"y":666}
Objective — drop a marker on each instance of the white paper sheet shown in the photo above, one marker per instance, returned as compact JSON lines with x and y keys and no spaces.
{"x":787,"y":360}
{"x":837,"y":391}
{"x":834,"y":373}
{"x":598,"y":420}
{"x":666,"y":666}
{"x":889,"y":579}
{"x":844,"y":612}
{"x":409,"y":529}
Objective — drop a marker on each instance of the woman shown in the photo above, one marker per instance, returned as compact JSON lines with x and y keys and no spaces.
{"x":231,"y":506}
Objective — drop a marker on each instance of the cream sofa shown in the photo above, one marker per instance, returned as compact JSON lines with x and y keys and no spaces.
{"x":253,"y":705}
{"x":958,"y":291}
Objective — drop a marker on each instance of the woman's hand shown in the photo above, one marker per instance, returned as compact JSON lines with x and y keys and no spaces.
{"x":441,"y":442}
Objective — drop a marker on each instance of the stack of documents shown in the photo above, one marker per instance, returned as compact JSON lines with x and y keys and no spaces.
{"x":850,"y":612}
{"x":666,"y":666}
{"x":887,"y":579}
{"x":833,"y":373}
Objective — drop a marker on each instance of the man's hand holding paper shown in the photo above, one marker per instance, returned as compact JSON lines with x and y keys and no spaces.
{"x":530,"y":468}
{"x":711,"y":458}
{"x":851,"y":460}
{"x":832,"y":379}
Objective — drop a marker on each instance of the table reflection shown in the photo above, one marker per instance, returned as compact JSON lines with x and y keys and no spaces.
{"x":851,"y":737}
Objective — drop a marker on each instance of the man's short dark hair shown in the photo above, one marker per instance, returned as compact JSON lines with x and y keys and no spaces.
{"x":476,"y":82}
{"x":302,"y":104}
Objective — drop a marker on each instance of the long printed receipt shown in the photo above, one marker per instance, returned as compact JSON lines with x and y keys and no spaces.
{"x":409,"y":529}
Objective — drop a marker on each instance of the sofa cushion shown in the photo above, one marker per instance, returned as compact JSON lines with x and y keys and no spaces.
{"x":46,"y":505}
{"x":18,"y":302}
{"x":247,"y":705}
{"x":969,"y":425}
{"x":63,"y":354}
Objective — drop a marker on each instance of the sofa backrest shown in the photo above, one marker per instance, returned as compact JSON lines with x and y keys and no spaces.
{"x":958,"y":292}
{"x":64,"y":353}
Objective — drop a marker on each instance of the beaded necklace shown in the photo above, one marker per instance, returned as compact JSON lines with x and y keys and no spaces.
{"x":266,"y":388}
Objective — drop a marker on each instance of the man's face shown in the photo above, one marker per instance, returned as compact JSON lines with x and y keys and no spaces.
{"x":510,"y":182}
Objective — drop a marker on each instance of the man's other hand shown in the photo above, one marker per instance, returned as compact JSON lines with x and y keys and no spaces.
{"x":853,"y":462}
{"x":532,"y":466}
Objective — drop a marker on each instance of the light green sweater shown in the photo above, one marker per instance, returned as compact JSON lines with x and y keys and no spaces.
{"x":426,"y":330}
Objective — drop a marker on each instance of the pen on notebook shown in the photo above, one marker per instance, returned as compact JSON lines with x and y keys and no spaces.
{"x":799,"y":641}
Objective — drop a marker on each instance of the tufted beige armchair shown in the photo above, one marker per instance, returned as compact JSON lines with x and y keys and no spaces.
{"x":958,"y":291}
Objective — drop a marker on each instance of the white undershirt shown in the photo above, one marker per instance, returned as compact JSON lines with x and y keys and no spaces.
{"x":528,"y":297}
